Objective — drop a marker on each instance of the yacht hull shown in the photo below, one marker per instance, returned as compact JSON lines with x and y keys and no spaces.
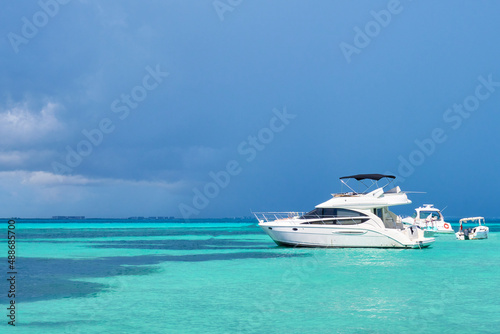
{"x":343,"y":237}
{"x":472,"y":236}
{"x":481,"y":235}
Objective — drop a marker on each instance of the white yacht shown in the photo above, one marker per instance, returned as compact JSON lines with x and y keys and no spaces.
{"x":351,"y":219}
{"x":475,"y":233}
{"x":430,"y":219}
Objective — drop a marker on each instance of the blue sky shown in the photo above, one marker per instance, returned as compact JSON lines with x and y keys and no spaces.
{"x":217,"y":108}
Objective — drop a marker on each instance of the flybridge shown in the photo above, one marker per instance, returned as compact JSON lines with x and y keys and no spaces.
{"x":373,"y":196}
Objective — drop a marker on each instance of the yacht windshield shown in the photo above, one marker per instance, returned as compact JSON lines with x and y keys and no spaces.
{"x":434,"y":215}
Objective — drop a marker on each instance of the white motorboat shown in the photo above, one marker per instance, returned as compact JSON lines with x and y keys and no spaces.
{"x":351,"y":219}
{"x":478,"y":232}
{"x":430,"y":219}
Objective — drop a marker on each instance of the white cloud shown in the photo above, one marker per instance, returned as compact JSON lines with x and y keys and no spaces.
{"x":19,"y":124}
{"x":41,"y":178}
{"x":13,"y":158}
{"x":49,"y":179}
{"x":43,"y":194}
{"x":19,"y":159}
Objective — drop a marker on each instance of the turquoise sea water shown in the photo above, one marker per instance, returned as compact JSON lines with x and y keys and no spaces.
{"x":224,"y":276}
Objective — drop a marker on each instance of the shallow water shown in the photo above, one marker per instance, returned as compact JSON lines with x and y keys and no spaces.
{"x":228,"y":276}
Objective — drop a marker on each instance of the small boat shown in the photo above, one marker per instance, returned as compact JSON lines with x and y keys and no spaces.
{"x":478,"y":232}
{"x":429,"y":219}
{"x":349,"y":219}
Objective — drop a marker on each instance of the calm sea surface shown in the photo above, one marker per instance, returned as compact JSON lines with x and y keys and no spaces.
{"x":224,"y":276}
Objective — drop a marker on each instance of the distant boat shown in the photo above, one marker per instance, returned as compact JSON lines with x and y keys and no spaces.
{"x":475,"y":233}
{"x":430,"y":219}
{"x":349,"y":219}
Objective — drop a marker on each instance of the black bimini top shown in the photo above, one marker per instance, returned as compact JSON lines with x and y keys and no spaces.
{"x":375,"y":177}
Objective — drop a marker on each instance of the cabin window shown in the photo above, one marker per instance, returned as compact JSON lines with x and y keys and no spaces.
{"x":434,"y":215}
{"x":331,"y":213}
{"x":328,"y":212}
{"x":354,"y":221}
{"x":322,"y":222}
{"x":349,"y":213}
{"x":316,"y":213}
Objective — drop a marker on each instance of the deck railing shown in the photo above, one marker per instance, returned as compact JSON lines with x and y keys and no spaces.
{"x":272,"y":216}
